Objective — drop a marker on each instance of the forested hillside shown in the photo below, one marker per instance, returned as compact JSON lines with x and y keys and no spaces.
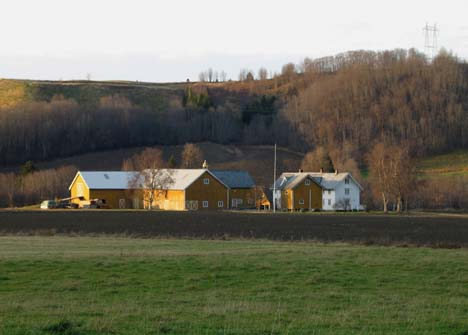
{"x":351,"y":100}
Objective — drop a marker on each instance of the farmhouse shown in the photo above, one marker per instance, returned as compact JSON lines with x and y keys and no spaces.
{"x":338,"y":191}
{"x":297,"y":191}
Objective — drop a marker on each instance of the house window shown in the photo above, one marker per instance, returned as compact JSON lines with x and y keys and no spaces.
{"x":329,"y":202}
{"x":323,"y":202}
{"x":206,"y":181}
{"x":220,"y":204}
{"x":205,"y":204}
{"x":346,"y":181}
{"x":329,"y":192}
{"x":346,"y":191}
{"x":307,"y":182}
{"x":301,"y":202}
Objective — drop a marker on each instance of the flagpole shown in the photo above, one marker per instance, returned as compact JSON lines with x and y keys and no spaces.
{"x":274,"y":183}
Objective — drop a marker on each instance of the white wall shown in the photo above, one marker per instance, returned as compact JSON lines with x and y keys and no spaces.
{"x":354,"y":195}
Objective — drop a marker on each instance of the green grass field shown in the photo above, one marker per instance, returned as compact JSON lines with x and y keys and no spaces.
{"x":104,"y":285}
{"x":450,"y":164}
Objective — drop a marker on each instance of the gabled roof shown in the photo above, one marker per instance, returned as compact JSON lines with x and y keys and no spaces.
{"x":328,"y":181}
{"x":234,"y":178}
{"x":290,"y":180}
{"x":106,"y":180}
{"x":183,"y":178}
{"x":331,"y":180}
{"x":121,"y":180}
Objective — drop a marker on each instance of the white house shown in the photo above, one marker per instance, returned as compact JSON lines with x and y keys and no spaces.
{"x":340,"y":191}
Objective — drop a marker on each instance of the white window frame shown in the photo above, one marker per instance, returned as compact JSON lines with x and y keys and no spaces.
{"x":206,"y":181}
{"x":301,"y":202}
{"x":329,"y":202}
{"x":346,"y":181}
{"x":307,"y":182}
{"x":220,"y":204}
{"x":347,"y":191}
{"x":205,"y":203}
{"x":329,"y":192}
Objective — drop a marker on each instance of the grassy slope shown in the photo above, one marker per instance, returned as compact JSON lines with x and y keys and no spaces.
{"x":450,"y":164}
{"x":131,"y":286}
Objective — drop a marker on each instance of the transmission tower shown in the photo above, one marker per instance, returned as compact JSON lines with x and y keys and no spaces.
{"x":430,"y":41}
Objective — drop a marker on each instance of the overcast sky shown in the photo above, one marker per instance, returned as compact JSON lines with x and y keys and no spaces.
{"x":151,"y":40}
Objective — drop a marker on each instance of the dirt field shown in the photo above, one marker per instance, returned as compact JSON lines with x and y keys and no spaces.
{"x":420,"y":230}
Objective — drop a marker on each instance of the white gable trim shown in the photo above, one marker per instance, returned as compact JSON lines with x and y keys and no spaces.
{"x":76,"y":177}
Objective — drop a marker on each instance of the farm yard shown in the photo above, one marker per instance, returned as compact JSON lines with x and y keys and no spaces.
{"x":118,"y":285}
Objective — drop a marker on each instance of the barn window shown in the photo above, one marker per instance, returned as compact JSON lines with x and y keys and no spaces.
{"x":301,"y":202}
{"x":307,"y":182}
{"x":205,"y":204}
{"x":220,"y":204}
{"x":346,"y":191}
{"x":206,"y":181}
{"x":79,"y":189}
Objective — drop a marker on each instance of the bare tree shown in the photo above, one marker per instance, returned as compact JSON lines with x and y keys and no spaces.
{"x":403,"y":176}
{"x":210,"y":74}
{"x":202,"y":76}
{"x":192,"y":156}
{"x":223,"y":76}
{"x":317,"y":160}
{"x":262,"y":74}
{"x":150,"y":175}
{"x":379,"y":173}
{"x":8,"y":188}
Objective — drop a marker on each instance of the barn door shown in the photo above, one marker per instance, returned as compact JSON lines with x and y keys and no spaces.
{"x":121,"y":203}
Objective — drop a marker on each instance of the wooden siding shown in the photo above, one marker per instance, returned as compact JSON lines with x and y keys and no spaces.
{"x":247,"y":195}
{"x":310,"y":194}
{"x":167,"y":200}
{"x":213,"y":192}
{"x":113,"y":198}
{"x":74,"y":191}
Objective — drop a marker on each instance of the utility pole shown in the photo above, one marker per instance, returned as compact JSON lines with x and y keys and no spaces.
{"x":274,"y":183}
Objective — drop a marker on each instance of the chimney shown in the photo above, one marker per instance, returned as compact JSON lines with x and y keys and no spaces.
{"x":205,"y":165}
{"x":321,"y":170}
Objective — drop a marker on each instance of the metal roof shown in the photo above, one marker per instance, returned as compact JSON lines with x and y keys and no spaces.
{"x":234,"y":178}
{"x":121,"y":180}
{"x":328,"y":181}
{"x":106,"y":180}
{"x":289,"y":180}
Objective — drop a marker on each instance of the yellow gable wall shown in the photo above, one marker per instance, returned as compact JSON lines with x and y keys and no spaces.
{"x":74,"y":191}
{"x":311,"y":194}
{"x":213,"y":192}
{"x":112,"y":197}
